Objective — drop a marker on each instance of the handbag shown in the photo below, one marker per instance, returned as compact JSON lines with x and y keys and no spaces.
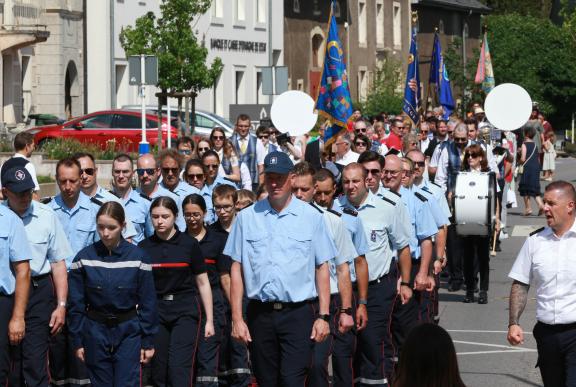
{"x":520,"y":168}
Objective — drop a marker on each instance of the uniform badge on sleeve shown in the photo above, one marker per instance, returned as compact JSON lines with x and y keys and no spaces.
{"x":373,"y":236}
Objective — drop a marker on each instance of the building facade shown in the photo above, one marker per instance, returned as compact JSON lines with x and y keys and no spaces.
{"x":371,"y":32}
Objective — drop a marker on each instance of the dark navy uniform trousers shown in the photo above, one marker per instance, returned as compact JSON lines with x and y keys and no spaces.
{"x":234,"y":363}
{"x":30,"y":358}
{"x":208,"y":352}
{"x":6,"y":305}
{"x":556,"y":353}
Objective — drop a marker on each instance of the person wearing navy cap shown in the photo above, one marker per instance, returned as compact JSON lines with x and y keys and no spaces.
{"x":46,"y":309}
{"x":280,"y":247}
{"x":14,"y":280}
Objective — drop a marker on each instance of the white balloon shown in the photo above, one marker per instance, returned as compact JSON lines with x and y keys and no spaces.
{"x":293,"y":112}
{"x":508,"y":106}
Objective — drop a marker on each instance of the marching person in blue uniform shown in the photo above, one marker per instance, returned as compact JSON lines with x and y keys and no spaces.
{"x":179,"y":276}
{"x":211,"y":246}
{"x":386,"y":233}
{"x":14,"y":286}
{"x":341,"y":306}
{"x":136,"y":207}
{"x":46,"y":311}
{"x":281,"y":248}
{"x":77,"y":214}
{"x":112,"y":312}
{"x":344,"y":343}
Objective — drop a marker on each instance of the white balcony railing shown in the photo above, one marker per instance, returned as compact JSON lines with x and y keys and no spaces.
{"x":21,"y":14}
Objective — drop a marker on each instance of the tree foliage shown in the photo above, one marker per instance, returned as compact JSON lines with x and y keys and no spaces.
{"x":386,"y":92}
{"x":181,"y":59}
{"x":534,"y":8}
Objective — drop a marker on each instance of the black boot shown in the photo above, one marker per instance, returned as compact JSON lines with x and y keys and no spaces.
{"x":469,"y":297}
{"x":483,"y":298}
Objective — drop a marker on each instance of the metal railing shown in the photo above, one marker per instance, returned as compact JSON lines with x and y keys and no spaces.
{"x":21,"y":14}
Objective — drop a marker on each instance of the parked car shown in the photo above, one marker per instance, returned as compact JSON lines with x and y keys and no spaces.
{"x":205,"y":121}
{"x":122,"y":126}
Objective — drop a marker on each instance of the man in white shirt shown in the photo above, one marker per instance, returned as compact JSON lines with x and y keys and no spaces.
{"x":344,"y":154}
{"x":23,"y":148}
{"x":548,"y":260}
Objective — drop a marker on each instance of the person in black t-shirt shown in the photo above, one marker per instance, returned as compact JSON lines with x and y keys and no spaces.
{"x":211,"y":244}
{"x":179,"y":275}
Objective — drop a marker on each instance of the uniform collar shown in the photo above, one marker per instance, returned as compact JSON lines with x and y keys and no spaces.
{"x":174,"y":240}
{"x":29,"y":211}
{"x":83,"y":201}
{"x":370,"y":201}
{"x":101,"y":249}
{"x":292,"y":207}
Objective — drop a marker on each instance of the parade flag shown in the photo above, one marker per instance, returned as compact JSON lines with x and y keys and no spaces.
{"x":411,"y":103}
{"x":439,"y":78}
{"x":333,"y":100}
{"x":484,"y":73}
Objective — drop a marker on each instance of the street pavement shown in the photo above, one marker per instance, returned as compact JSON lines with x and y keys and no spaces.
{"x":479,"y":331}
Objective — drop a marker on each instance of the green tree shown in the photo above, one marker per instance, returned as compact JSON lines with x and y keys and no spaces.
{"x":535,"y":8}
{"x":386,"y":92}
{"x":182,"y":64}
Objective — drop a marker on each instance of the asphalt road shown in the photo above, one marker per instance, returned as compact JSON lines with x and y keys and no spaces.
{"x":479,"y":331}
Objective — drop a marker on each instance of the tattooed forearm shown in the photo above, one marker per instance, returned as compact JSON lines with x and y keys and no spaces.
{"x":518,"y":299}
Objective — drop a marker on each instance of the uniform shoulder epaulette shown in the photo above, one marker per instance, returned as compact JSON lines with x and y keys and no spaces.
{"x":143,"y":195}
{"x":420,"y":196}
{"x":350,"y":211}
{"x":114,"y":193}
{"x":395,"y":193}
{"x":426,"y":189}
{"x":333,"y":212}
{"x":316,"y":207}
{"x":249,"y":205}
{"x":229,"y":179}
{"x":389,"y":200}
{"x":437,"y":185}
{"x":537,"y":231}
{"x":96,"y":201}
{"x":46,"y":200}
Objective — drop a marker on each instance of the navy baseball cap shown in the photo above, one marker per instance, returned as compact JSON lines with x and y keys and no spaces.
{"x":17,"y":179}
{"x":278,"y":162}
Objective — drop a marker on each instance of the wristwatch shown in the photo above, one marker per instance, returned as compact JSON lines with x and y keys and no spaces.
{"x":347,"y":311}
{"x":325,"y":317}
{"x":405,"y":284}
{"x":362,"y":301}
{"x":62,"y":303}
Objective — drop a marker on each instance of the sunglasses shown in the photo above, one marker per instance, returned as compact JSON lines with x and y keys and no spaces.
{"x":261,"y":137}
{"x":185,"y":151}
{"x":361,"y":130}
{"x":148,"y":171}
{"x":473,"y":155}
{"x":88,"y":171}
{"x":195,"y":176}
{"x":360,"y":143}
{"x":174,"y":171}
{"x":419,"y":163}
{"x":217,"y":137}
{"x":203,"y":149}
{"x":424,"y":131}
{"x":211,"y":166}
{"x":373,"y":171}
{"x":459,"y":139}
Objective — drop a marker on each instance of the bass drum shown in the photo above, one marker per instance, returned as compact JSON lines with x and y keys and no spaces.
{"x":475,"y":203}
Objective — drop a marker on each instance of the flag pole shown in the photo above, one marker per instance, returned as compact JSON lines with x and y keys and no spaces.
{"x":418,"y":97}
{"x":428,"y":87}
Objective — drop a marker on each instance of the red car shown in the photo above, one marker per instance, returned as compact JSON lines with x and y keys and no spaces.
{"x":123,"y":126}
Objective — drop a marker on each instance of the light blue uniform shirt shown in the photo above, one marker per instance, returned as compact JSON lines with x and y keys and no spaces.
{"x":206,"y":193}
{"x":138,"y":211}
{"x":438,"y":193}
{"x":79,"y":223}
{"x":421,"y":219}
{"x":106,"y":196}
{"x":14,"y":247}
{"x":48,"y":242}
{"x":279,"y":252}
{"x":182,"y":190}
{"x":439,"y":216}
{"x":386,"y":230}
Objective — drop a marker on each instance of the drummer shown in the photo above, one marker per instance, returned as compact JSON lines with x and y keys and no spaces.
{"x":475,"y":161}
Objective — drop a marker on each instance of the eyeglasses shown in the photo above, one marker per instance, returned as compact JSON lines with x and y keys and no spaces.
{"x":195,"y":176}
{"x":373,"y":171}
{"x":185,"y":151}
{"x":262,"y":136}
{"x":88,"y":171}
{"x":407,"y":173}
{"x":419,"y":163}
{"x":361,"y":130}
{"x":424,"y":132}
{"x":223,"y":208}
{"x":460,"y":139}
{"x":174,"y":171}
{"x":360,"y":143}
{"x":148,"y":171}
{"x":389,"y":172}
{"x":218,"y":138}
{"x":211,"y":166}
{"x":203,"y":149}
{"x":188,"y":215}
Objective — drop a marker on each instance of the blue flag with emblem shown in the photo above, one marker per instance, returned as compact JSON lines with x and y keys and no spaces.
{"x":411,"y":103}
{"x":333,"y":100}
{"x":439,"y":78}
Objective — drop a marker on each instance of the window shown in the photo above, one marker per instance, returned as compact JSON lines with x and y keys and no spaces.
{"x":362,"y":22}
{"x":99,"y":121}
{"x":259,"y":95}
{"x":218,"y":9}
{"x":240,"y":10}
{"x":300,"y":85}
{"x":218,"y":103}
{"x":261,"y":11}
{"x":125,"y":121}
{"x":317,"y":52}
{"x":441,"y":26}
{"x":362,"y":85}
{"x":239,"y":87}
{"x":397,"y":22}
{"x":380,"y":23}
{"x":316,"y":10}
{"x":204,"y":122}
{"x":296,"y":6}
{"x":337,"y":12}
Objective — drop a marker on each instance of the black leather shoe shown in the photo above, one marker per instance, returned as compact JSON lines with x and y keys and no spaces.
{"x":468,"y":298}
{"x":483,"y":298}
{"x":455,"y":286}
